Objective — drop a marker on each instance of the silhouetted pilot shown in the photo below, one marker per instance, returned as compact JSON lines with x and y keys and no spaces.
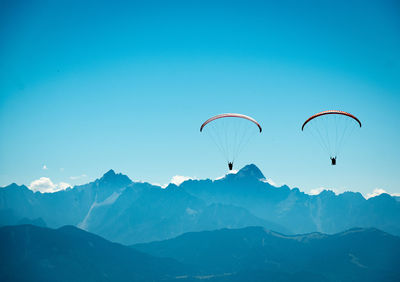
{"x":333,"y":160}
{"x":230,"y":165}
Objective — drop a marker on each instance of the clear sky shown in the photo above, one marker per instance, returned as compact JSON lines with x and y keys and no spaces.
{"x":86,"y":86}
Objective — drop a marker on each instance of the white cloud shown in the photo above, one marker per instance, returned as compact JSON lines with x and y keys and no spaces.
{"x":179,"y":179}
{"x":374,"y":193}
{"x":270,"y":182}
{"x":318,"y":191}
{"x":63,"y":185}
{"x":233,"y":171}
{"x":78,"y":177}
{"x":44,"y":167}
{"x":379,"y":191}
{"x":45,"y":185}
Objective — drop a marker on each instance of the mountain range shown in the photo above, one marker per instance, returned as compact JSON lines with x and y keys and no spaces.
{"x":128,"y":212}
{"x":31,"y":253}
{"x":359,"y":254}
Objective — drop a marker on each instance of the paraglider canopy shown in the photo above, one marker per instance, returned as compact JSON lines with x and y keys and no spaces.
{"x":230,"y":132}
{"x":229,"y":115}
{"x":330,"y":113}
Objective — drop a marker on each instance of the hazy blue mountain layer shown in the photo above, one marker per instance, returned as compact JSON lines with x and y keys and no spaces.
{"x":258,"y":254}
{"x":31,"y":253}
{"x":295,"y":210}
{"x":134,"y":212}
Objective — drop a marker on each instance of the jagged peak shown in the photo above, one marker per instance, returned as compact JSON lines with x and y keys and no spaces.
{"x":15,"y":186}
{"x":327,"y":193}
{"x":12,"y":185}
{"x":252,"y":171}
{"x":111,"y":176}
{"x":109,"y":173}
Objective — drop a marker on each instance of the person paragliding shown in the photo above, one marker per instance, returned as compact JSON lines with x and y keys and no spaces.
{"x":230,"y":133}
{"x":331,"y":129}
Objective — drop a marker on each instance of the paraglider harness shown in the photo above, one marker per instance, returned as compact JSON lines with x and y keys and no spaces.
{"x":333,"y":160}
{"x":230,"y":165}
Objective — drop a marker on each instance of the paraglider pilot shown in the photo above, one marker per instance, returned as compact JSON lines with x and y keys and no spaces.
{"x":333,"y":160}
{"x":230,"y":165}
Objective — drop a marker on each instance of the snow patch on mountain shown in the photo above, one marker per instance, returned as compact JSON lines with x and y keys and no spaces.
{"x":108,"y":201}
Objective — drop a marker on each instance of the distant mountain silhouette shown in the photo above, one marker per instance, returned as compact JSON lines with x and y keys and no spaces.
{"x":250,"y":171}
{"x":133,"y":212}
{"x":256,"y":254}
{"x":120,"y":210}
{"x":295,"y":210}
{"x":30,"y":253}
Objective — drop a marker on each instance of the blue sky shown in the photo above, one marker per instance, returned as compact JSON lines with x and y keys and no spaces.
{"x":89,"y":85}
